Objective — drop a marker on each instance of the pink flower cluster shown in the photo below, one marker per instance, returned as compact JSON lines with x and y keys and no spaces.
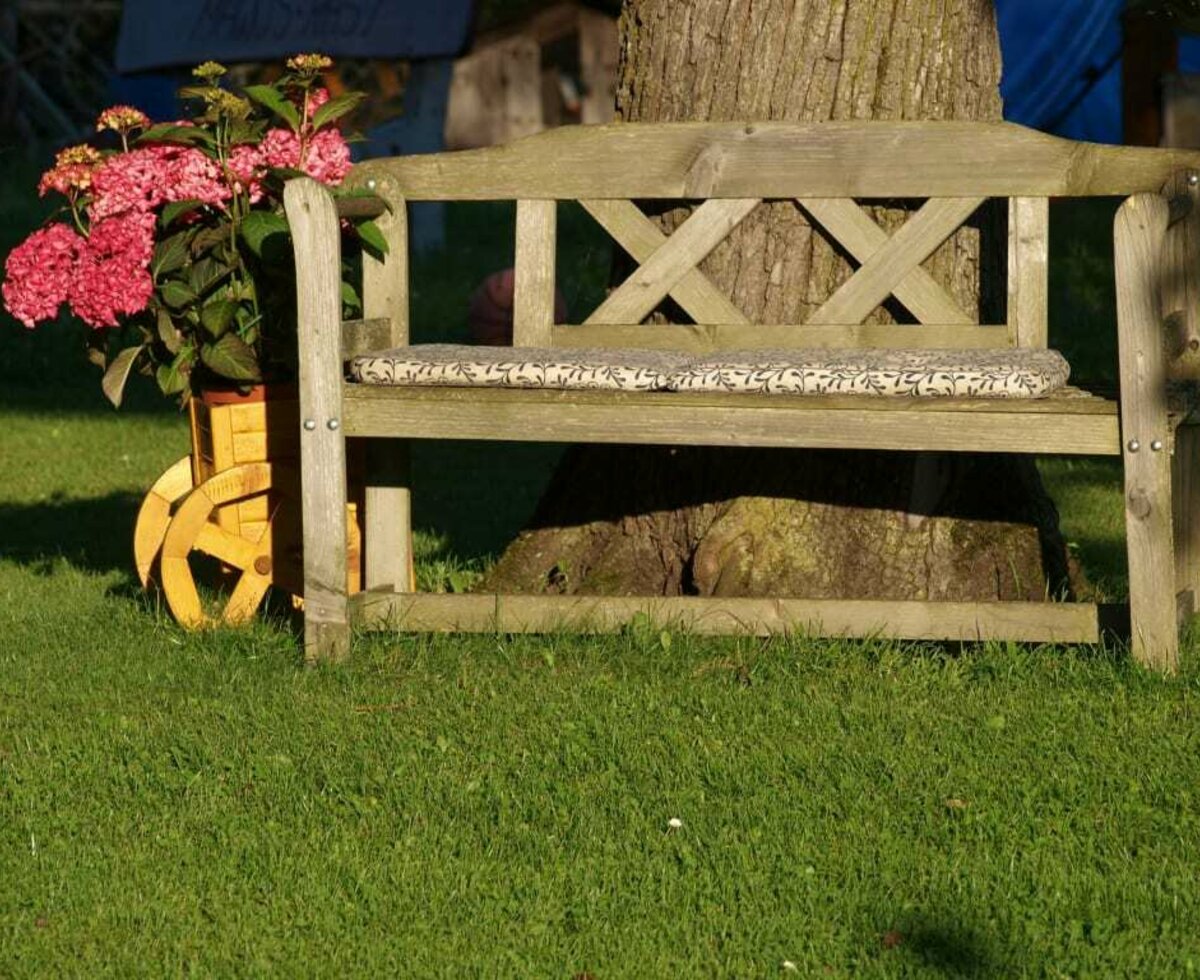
{"x":326,"y":154}
{"x":144,"y":178}
{"x":102,"y":276}
{"x":113,"y":274}
{"x":39,"y":273}
{"x":105,"y":273}
{"x":326,"y":157}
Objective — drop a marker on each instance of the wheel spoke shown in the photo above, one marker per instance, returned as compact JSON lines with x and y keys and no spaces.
{"x":247,"y":595}
{"x":225,"y":546}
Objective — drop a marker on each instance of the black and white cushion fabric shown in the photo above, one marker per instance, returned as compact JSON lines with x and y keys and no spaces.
{"x":913,"y":373}
{"x":519,"y":367}
{"x":1009,"y":373}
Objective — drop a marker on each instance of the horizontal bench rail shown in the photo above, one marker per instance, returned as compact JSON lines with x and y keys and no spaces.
{"x":780,"y":160}
{"x":1051,"y":622}
{"x":1076,"y":425}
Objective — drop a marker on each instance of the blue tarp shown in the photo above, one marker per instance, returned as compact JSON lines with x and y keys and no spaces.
{"x":158,"y":34}
{"x":1062,"y":65}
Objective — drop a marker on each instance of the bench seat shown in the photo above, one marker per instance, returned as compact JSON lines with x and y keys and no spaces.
{"x":904,"y":372}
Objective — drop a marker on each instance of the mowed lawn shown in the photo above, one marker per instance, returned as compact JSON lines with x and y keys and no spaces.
{"x":649,"y":804}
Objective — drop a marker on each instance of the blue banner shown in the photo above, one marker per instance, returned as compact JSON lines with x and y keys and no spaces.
{"x":157,"y":34}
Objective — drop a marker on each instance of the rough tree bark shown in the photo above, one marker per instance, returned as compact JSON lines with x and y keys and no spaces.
{"x":644,"y":520}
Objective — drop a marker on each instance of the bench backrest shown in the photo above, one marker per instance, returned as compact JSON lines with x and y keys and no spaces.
{"x":826,"y":167}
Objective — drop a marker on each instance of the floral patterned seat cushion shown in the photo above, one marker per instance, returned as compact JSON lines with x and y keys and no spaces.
{"x":1009,"y":373}
{"x":909,"y":372}
{"x":518,"y":367}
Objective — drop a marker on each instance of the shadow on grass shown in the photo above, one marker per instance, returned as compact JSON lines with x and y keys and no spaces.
{"x":476,"y":496}
{"x":81,"y":395}
{"x":95,"y":534}
{"x":949,"y":949}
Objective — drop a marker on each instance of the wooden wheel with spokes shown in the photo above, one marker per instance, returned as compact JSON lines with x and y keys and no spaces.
{"x":249,"y":563}
{"x":154,"y":516}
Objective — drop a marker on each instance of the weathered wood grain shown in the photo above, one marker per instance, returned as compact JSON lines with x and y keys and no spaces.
{"x":1139,"y":233}
{"x":650,"y":283}
{"x":1028,"y":270}
{"x":705,"y":337}
{"x":316,"y":240}
{"x":895,"y":260}
{"x":782,"y":160}
{"x":641,"y":237}
{"x":858,"y":233}
{"x":365,"y":336}
{"x":388,"y":559}
{"x":731,"y":421}
{"x":964,"y":621}
{"x":533,"y":278}
{"x":1180,"y":277}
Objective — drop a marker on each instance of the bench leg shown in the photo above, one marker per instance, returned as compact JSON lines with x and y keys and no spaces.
{"x":316,"y":240}
{"x":388,"y":539}
{"x":1185,"y":500}
{"x":324,"y":498}
{"x":1152,"y":603}
{"x":1139,"y":233}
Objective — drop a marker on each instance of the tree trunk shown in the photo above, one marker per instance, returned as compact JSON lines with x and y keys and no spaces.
{"x":646,"y":520}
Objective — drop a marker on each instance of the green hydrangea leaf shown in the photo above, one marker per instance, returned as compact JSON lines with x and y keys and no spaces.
{"x":170,"y":254}
{"x":113,"y":382}
{"x":177,"y":208}
{"x":258,"y":226}
{"x":217,"y":316}
{"x":177,"y":294}
{"x":168,"y":333}
{"x":372,"y":237}
{"x":336,"y":108}
{"x":276,"y":101}
{"x":232,"y":358}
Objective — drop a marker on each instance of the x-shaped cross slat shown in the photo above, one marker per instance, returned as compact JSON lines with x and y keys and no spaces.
{"x":668,"y":264}
{"x":891,"y":265}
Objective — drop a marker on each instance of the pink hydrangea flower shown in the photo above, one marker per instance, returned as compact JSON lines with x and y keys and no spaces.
{"x":317,"y":97}
{"x":130,"y":181}
{"x":246,"y":165}
{"x":149,"y":176}
{"x":192,"y":175}
{"x":113,"y":275}
{"x":130,"y":236}
{"x":39,"y":272}
{"x":326,"y":156}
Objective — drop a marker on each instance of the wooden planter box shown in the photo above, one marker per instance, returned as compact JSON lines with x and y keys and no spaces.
{"x":229,"y":429}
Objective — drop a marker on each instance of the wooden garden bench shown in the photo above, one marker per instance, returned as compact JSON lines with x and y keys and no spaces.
{"x":730,"y":168}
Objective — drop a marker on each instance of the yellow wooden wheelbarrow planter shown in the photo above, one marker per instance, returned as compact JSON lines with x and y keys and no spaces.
{"x":234,"y":498}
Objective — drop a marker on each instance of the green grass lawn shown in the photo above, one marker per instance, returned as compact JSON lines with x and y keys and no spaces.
{"x":198,"y":803}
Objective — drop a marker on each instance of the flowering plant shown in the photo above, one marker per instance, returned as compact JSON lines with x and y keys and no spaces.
{"x":177,"y":239}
